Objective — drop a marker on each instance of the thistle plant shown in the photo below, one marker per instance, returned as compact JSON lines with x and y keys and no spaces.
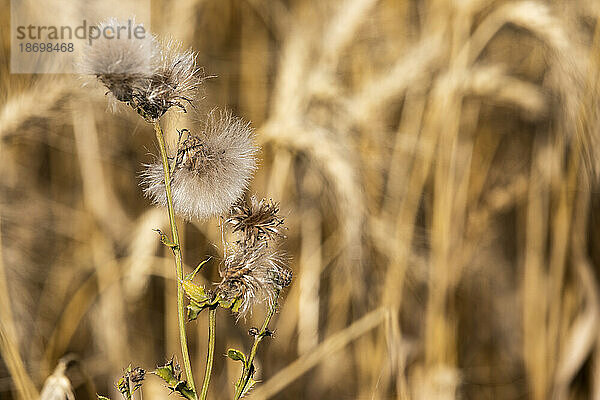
{"x":206,"y":174}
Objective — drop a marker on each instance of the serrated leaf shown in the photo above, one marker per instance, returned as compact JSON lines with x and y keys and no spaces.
{"x":236,"y":355}
{"x":168,"y":373}
{"x":233,"y":304}
{"x":193,"y":312}
{"x":183,"y":389}
{"x":195,"y":292}
{"x":165,"y":374}
{"x":194,"y":309}
{"x":191,"y":275}
{"x":172,"y":377}
{"x":164,"y":239}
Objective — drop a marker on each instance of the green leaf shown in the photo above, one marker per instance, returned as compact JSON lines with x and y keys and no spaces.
{"x":171,"y":374}
{"x":236,"y":355}
{"x":166,"y":373}
{"x":249,"y":385}
{"x":183,"y":389}
{"x":194,"y":309}
{"x":235,"y":307}
{"x":191,"y":275}
{"x":233,"y":304}
{"x":195,"y":292}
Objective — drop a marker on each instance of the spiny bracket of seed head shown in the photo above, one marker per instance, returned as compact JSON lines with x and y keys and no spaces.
{"x":254,"y":332}
{"x":131,"y":381}
{"x":256,"y":220}
{"x":171,"y":374}
{"x":282,"y":278}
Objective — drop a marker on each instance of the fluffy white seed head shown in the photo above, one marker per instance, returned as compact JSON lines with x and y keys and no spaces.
{"x":122,"y":63}
{"x":210,"y":170}
{"x":178,"y":76}
{"x":150,"y":76}
{"x":120,"y":55}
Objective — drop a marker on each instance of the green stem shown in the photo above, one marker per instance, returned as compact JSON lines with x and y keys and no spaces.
{"x":248,"y":366}
{"x":178,"y":259}
{"x":212,"y":327}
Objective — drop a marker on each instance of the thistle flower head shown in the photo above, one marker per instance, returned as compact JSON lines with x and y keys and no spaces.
{"x":173,"y":83}
{"x":210,"y":170}
{"x":253,"y":275}
{"x":255,"y":269}
{"x":148,"y":75}
{"x":256,"y":221}
{"x":121,"y":63}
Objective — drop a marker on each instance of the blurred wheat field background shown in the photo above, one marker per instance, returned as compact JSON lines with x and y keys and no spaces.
{"x":437,"y":163}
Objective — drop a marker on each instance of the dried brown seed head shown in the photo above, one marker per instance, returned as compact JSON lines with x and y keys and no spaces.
{"x":256,"y":221}
{"x":250,"y":274}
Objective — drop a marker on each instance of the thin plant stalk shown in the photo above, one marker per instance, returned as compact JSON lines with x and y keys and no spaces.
{"x":178,"y":258}
{"x":248,"y":366}
{"x":212,"y":328}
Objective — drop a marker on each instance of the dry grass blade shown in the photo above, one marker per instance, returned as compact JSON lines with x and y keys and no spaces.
{"x":490,"y":82}
{"x":343,"y":27}
{"x":10,"y":354}
{"x":413,"y":66}
{"x":99,"y":196}
{"x":37,"y":102}
{"x":332,"y":344}
{"x":141,"y":253}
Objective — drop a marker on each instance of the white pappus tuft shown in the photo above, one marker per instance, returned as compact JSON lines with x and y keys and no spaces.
{"x":148,"y":75}
{"x":209,"y":171}
{"x":123,"y":64}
